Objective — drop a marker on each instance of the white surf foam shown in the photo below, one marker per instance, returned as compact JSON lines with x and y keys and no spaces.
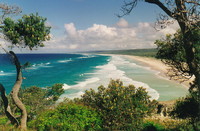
{"x":85,"y":56}
{"x":40,"y":65}
{"x":2,"y":73}
{"x":104,"y":74}
{"x":66,"y":87}
{"x":64,"y":61}
{"x":81,"y":86}
{"x":110,"y":71}
{"x":71,"y":96}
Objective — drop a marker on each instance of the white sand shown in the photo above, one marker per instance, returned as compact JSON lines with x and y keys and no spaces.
{"x":157,"y":65}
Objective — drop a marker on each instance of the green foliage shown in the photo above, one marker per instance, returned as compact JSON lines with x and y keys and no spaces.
{"x":29,"y":31}
{"x":55,"y":91}
{"x":186,"y":108}
{"x":37,"y":99}
{"x":122,"y":107}
{"x":69,"y":116}
{"x":188,"y":126}
{"x":5,"y":126}
{"x":34,"y":99}
{"x":196,"y":39}
{"x":167,"y":124}
{"x":3,"y":120}
{"x":182,"y":53}
{"x":171,"y":48}
{"x":9,"y":128}
{"x":151,"y":126}
{"x":135,"y":52}
{"x":183,"y":60}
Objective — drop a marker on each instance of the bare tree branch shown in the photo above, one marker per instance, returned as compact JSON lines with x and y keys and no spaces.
{"x":162,"y":6}
{"x":196,"y":2}
{"x":6,"y":10}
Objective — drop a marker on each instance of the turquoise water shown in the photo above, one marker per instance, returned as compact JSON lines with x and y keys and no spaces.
{"x":168,"y":90}
{"x":48,"y":69}
{"x":79,"y":72}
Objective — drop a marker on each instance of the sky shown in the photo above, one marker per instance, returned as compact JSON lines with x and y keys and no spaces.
{"x":90,"y":25}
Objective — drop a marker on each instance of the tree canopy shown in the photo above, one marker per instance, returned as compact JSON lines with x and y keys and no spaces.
{"x":171,"y":51}
{"x":29,"y":31}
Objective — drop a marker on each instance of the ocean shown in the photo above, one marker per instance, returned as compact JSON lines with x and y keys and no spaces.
{"x":79,"y":72}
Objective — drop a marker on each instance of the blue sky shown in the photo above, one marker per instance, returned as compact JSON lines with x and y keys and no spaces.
{"x":92,"y":24}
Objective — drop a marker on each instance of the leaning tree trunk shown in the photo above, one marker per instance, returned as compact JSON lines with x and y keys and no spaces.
{"x":7,"y":109}
{"x":15,"y":91}
{"x":183,"y":20}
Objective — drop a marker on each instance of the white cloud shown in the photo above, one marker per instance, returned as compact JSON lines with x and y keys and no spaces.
{"x":122,"y":23}
{"x":101,"y":37}
{"x":73,"y":46}
{"x":70,"y":29}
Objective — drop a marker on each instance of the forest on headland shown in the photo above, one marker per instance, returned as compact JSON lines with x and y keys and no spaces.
{"x":135,"y":52}
{"x":114,"y":107}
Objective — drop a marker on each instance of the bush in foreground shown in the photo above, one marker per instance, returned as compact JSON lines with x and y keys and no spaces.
{"x":188,"y":108}
{"x":121,"y":107}
{"x":66,"y":117}
{"x":37,"y":99}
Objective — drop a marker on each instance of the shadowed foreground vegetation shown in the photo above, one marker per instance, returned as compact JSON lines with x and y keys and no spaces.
{"x":116,"y":107}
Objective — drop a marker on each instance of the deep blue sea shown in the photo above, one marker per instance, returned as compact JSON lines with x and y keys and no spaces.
{"x":79,"y":72}
{"x":48,"y":69}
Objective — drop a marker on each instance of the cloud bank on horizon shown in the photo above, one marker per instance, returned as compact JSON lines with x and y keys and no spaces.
{"x":121,"y":35}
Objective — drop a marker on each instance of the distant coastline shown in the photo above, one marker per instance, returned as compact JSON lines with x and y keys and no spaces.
{"x":151,"y":52}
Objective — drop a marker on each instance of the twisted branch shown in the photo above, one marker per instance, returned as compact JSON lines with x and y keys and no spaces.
{"x":8,"y":113}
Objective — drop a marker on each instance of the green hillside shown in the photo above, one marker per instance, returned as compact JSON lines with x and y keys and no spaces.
{"x":135,"y":52}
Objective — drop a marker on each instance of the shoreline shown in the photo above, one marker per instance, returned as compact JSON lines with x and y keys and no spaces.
{"x":159,"y":77}
{"x":157,"y":65}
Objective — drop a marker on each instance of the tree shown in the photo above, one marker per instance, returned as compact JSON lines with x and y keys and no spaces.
{"x":187,"y":14}
{"x":28,"y":32}
{"x":171,"y":51}
{"x":121,"y":107}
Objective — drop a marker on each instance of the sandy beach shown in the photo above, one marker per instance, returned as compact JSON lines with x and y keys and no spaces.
{"x":157,"y":65}
{"x":153,"y":63}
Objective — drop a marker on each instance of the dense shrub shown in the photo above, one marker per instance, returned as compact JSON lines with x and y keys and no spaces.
{"x":161,"y":123}
{"x":37,"y":99}
{"x":121,"y":107}
{"x":55,"y":91}
{"x":65,"y":117}
{"x":188,"y":108}
{"x":3,"y":120}
{"x":151,"y":126}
